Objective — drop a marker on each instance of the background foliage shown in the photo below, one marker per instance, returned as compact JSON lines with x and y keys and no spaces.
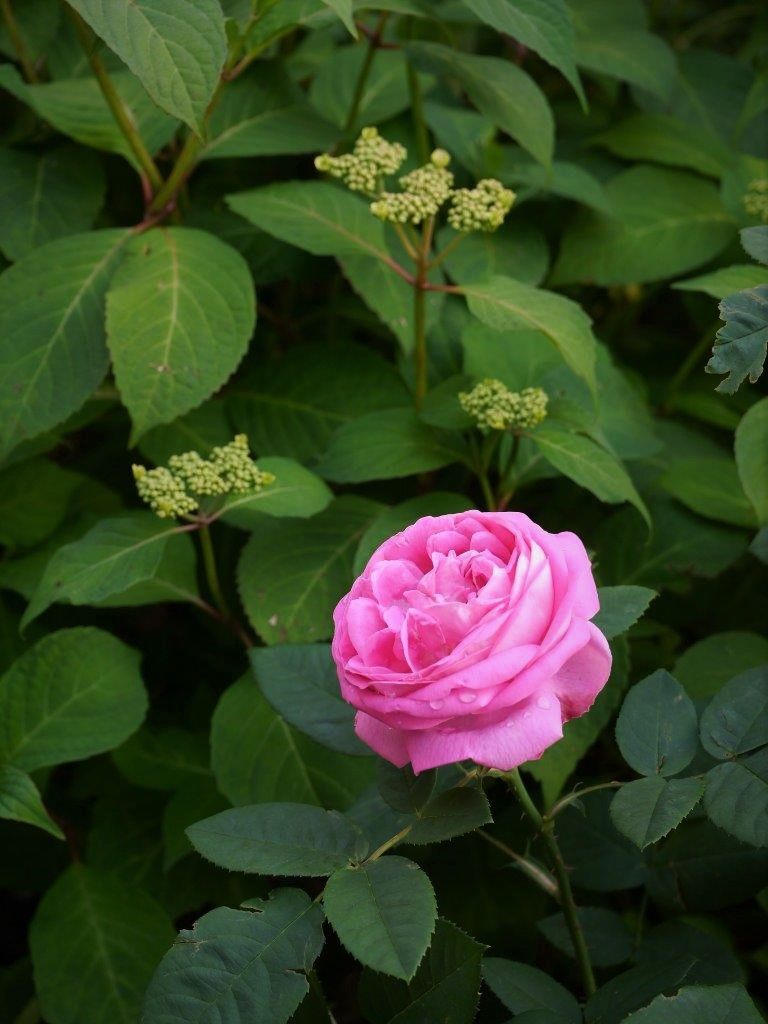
{"x":156,"y":190}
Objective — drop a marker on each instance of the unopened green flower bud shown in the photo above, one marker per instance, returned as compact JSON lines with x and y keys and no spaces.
{"x":197,"y":474}
{"x":233,"y":463}
{"x":163,"y":492}
{"x":371,"y":159}
{"x":494,"y":407}
{"x":423,"y":193}
{"x":756,"y":199}
{"x":482,"y":208}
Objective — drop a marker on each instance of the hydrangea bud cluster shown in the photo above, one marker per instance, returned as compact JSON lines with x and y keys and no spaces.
{"x":371,"y":159}
{"x":173,"y":491}
{"x":756,"y":199}
{"x":423,"y":192}
{"x":494,"y":407}
{"x":482,"y":208}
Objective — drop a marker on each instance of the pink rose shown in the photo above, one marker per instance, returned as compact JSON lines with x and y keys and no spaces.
{"x":468,"y":637}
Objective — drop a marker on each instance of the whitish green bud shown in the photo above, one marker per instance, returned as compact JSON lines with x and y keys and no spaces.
{"x":371,"y":159}
{"x":493,"y":407}
{"x":424,"y":192}
{"x":197,"y":474}
{"x":482,"y":208}
{"x":163,"y":492}
{"x":756,"y":199}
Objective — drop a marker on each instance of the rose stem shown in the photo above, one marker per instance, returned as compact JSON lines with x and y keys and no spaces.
{"x":545,"y":826}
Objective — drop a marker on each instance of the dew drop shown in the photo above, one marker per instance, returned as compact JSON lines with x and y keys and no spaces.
{"x":509,"y":723}
{"x":467,"y":696}
{"x":436,"y":704}
{"x":544,"y":703}
{"x":526,"y":714}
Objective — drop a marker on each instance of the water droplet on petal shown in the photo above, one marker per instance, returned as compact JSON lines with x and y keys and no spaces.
{"x":467,"y":696}
{"x":544,"y":703}
{"x":526,"y":714}
{"x":509,"y":723}
{"x":436,"y":704}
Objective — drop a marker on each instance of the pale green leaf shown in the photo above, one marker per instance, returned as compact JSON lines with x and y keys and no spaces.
{"x":662,"y":223}
{"x":661,"y":139}
{"x":21,"y":801}
{"x":344,"y":10}
{"x":726,"y":280}
{"x":95,"y":944}
{"x":176,"y":48}
{"x":543,"y":25}
{"x":34,"y":497}
{"x":751,"y":449}
{"x":385,"y":89}
{"x":197,"y":305}
{"x":75,"y":693}
{"x":590,"y":466}
{"x":518,"y":251}
{"x":506,"y":305}
{"x":384,"y":912}
{"x":500,"y":90}
{"x":313,"y":215}
{"x":295,"y":493}
{"x":711,"y":487}
{"x":47,"y":196}
{"x":236,"y":966}
{"x":53,"y":350}
{"x":113,"y":556}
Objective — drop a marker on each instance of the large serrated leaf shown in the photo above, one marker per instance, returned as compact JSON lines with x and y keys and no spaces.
{"x":657,"y":727}
{"x":176,"y":48}
{"x":647,"y":809}
{"x":197,"y":305}
{"x":52,"y":341}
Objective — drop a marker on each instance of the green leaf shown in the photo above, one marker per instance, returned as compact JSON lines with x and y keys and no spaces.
{"x":21,"y":801}
{"x":344,"y":10}
{"x":73,"y":694}
{"x":313,"y":215}
{"x":385,"y":92}
{"x":661,"y":139}
{"x":382,"y":446}
{"x":34,"y":497}
{"x":522,"y":988}
{"x":257,"y":757}
{"x":736,"y":798}
{"x":401,"y":789}
{"x":46,"y":197}
{"x":515,"y":250}
{"x":77,"y":108}
{"x":543,"y":25}
{"x":648,"y":809}
{"x":507,"y":305}
{"x":611,"y":45}
{"x":620,"y":608}
{"x":164,"y":759}
{"x":197,"y":796}
{"x":500,"y":90}
{"x":384,"y":912}
{"x":662,"y":223}
{"x":295,"y":493}
{"x":114,"y":555}
{"x":301,"y":684}
{"x":393,"y":520}
{"x":562,"y":178}
{"x":291,"y":574}
{"x":657,"y":726}
{"x":710,"y":1004}
{"x":52,"y":329}
{"x":590,"y":466}
{"x":87,"y":970}
{"x":751,"y":449}
{"x":599,"y":857}
{"x":736,"y":719}
{"x":754,"y":241}
{"x":445,"y":986}
{"x":608,"y":939}
{"x":235,"y":966}
{"x":740,"y":345}
{"x":175,"y":48}
{"x":711,"y":487}
{"x":450,"y":814}
{"x":292,"y":405}
{"x":261,"y":113}
{"x":197,"y":304}
{"x":707,"y":665}
{"x":276,"y":839}
{"x":725,"y":281}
